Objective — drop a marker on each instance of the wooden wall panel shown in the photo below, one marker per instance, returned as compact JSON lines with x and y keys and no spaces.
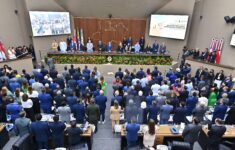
{"x":110,"y":29}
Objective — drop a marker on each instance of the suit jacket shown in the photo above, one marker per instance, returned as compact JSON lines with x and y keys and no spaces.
{"x":215,"y":134}
{"x":93,"y":113}
{"x":231,"y":96}
{"x":191,"y":133}
{"x":199,"y":112}
{"x":165,"y":111}
{"x":180,"y":115}
{"x":45,"y":100}
{"x":22,"y":126}
{"x":101,"y":101}
{"x":131,"y":111}
{"x":64,"y":113}
{"x":132,"y":132}
{"x":191,"y":104}
{"x":153,"y":112}
{"x":79,"y":112}
{"x":57,"y":129}
{"x":74,"y":135}
{"x":40,"y":130}
{"x":219,"y":112}
{"x":13,"y":109}
{"x":230,"y":119}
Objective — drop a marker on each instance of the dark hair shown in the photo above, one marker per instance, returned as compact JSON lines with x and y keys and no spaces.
{"x":151,"y":126}
{"x":25,"y":97}
{"x":73,"y":124}
{"x":38,"y":117}
{"x":56,"y":118}
{"x":194,"y":94}
{"x":22,"y":114}
{"x":196,"y":120}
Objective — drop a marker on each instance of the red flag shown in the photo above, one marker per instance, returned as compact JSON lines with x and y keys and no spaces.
{"x":218,"y":51}
{"x":2,"y":48}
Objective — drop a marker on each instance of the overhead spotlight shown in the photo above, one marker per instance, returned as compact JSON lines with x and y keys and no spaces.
{"x":227,"y":19}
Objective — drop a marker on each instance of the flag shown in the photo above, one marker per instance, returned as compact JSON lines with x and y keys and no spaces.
{"x":215,"y":45}
{"x":218,"y":51}
{"x":3,"y":50}
{"x":74,"y":36}
{"x":212,"y":44}
{"x":78,"y":35}
{"x":82,"y":38}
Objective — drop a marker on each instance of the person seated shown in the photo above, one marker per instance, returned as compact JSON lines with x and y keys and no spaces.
{"x":132,"y":133}
{"x":73,"y":46}
{"x":11,"y":53}
{"x":89,"y":46}
{"x":120,"y":48}
{"x":109,"y":47}
{"x":63,"y":46}
{"x":54,"y":46}
{"x":148,"y":49}
{"x":137,"y":48}
{"x":162,"y":49}
{"x":155,"y":47}
{"x":100,"y":46}
{"x":80,"y":47}
{"x":124,"y":42}
{"x":129,"y":42}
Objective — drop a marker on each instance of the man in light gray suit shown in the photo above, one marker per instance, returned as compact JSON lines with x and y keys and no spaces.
{"x":165,"y":111}
{"x":131,"y":111}
{"x":200,"y":111}
{"x":64,"y":112}
{"x":191,"y":131}
{"x":22,"y":124}
{"x":161,"y":98}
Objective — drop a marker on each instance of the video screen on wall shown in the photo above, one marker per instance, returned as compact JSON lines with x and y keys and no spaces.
{"x":168,"y":26}
{"x":233,"y":40}
{"x":50,"y":23}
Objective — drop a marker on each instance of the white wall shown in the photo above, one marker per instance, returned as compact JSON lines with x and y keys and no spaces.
{"x":177,"y":7}
{"x":212,"y":25}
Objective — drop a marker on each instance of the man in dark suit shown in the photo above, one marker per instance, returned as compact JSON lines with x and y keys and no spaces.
{"x":191,"y":103}
{"x":215,"y":134}
{"x":46,"y":101}
{"x":132,"y":132}
{"x":142,"y":43}
{"x":219,"y":111}
{"x":41,"y":131}
{"x":200,"y":111}
{"x":153,"y":111}
{"x":79,"y":111}
{"x":57,"y":129}
{"x":180,"y":114}
{"x":165,"y":111}
{"x":93,"y":114}
{"x":140,"y":74}
{"x":191,"y":131}
{"x":101,"y":100}
{"x":119,"y":73}
{"x":131,"y":111}
{"x":74,"y":133}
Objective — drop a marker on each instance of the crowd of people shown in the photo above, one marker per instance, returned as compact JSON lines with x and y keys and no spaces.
{"x":14,"y":52}
{"x":127,"y":45}
{"x":140,"y":95}
{"x":207,"y":55}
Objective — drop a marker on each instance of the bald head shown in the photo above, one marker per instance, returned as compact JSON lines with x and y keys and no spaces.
{"x":101,"y":92}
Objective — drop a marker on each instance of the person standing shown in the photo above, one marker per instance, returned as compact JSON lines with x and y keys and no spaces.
{"x":79,"y":111}
{"x":101,"y":100}
{"x":64,"y":112}
{"x":115,"y":111}
{"x":142,"y":43}
{"x":74,"y":133}
{"x":46,"y":101}
{"x":220,"y":110}
{"x":165,"y":111}
{"x":41,"y":131}
{"x":149,"y":135}
{"x":93,"y":114}
{"x":180,"y":114}
{"x":191,"y":131}
{"x":22,"y":124}
{"x":57,"y":130}
{"x":132,"y":133}
{"x":215,"y":134}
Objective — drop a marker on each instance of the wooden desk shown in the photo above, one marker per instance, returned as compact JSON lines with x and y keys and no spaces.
{"x":162,"y":132}
{"x":230,"y":132}
{"x":4,"y":137}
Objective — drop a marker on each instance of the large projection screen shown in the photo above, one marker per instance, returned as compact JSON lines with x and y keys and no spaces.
{"x":50,"y":23}
{"x":168,"y":26}
{"x":233,"y":40}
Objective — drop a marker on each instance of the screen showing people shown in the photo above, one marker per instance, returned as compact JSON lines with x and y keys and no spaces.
{"x":169,"y":26}
{"x":50,"y":23}
{"x":233,"y":40}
